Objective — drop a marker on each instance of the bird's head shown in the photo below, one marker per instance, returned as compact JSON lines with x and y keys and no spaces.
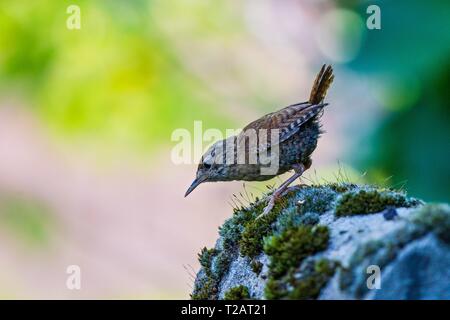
{"x":211,"y":167}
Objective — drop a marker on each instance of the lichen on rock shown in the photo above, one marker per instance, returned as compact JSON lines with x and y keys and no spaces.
{"x":318,"y":242}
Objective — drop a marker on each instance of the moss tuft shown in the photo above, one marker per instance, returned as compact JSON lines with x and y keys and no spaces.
{"x":232,"y":229}
{"x":371,"y":201}
{"x":309,"y":286}
{"x":237,"y":293}
{"x":205,"y":256}
{"x":220,"y":264}
{"x":206,"y":288}
{"x":435,"y":218}
{"x":304,"y":283}
{"x":288,"y":249}
{"x":274,"y":289}
{"x":342,"y":187}
{"x":256,"y":266}
{"x":251,"y":242}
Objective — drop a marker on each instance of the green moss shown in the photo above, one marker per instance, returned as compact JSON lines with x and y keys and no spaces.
{"x":299,"y":206}
{"x":288,"y":249}
{"x":237,"y":293}
{"x":251,"y":241}
{"x":220,"y":264}
{"x":232,"y":229}
{"x":206,"y":288}
{"x":304,"y":283}
{"x":292,"y":219}
{"x":205,"y":256}
{"x":309,"y":286}
{"x":307,"y":206}
{"x":435,"y":218}
{"x":371,"y":201}
{"x":274,"y":289}
{"x":256,"y":266}
{"x":342,"y":187}
{"x":241,"y":230}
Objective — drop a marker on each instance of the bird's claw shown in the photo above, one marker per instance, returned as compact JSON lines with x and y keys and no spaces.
{"x":268,"y":208}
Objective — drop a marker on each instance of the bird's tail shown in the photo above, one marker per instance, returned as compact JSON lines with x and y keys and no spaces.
{"x":321,"y":84}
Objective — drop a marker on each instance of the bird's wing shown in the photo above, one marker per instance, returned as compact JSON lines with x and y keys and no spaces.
{"x":287,"y":121}
{"x":290,"y":119}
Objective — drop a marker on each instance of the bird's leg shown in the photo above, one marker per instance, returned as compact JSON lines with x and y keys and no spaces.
{"x":303,"y":167}
{"x":299,"y":169}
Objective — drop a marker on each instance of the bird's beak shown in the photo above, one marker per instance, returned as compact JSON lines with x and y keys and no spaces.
{"x":194,"y":185}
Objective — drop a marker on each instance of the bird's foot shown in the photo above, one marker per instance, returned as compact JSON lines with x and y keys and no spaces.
{"x":274,"y":197}
{"x":269,"y":206}
{"x":281,"y":190}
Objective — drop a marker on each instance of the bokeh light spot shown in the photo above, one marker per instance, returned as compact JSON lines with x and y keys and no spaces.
{"x":339,"y":35}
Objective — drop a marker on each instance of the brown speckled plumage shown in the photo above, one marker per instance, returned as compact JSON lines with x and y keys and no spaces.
{"x":298,"y":131}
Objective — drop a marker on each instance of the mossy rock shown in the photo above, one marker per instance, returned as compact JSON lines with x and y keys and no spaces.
{"x":318,"y":242}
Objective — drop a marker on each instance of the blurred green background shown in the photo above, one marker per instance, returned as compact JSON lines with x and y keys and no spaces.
{"x":86,"y":118}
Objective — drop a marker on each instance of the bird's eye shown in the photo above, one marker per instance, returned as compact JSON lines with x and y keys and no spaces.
{"x":207,"y":165}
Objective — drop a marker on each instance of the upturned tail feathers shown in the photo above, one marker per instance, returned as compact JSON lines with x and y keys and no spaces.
{"x":321,"y":84}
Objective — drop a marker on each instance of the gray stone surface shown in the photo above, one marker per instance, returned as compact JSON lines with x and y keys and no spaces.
{"x":420,"y":271}
{"x":240,"y":272}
